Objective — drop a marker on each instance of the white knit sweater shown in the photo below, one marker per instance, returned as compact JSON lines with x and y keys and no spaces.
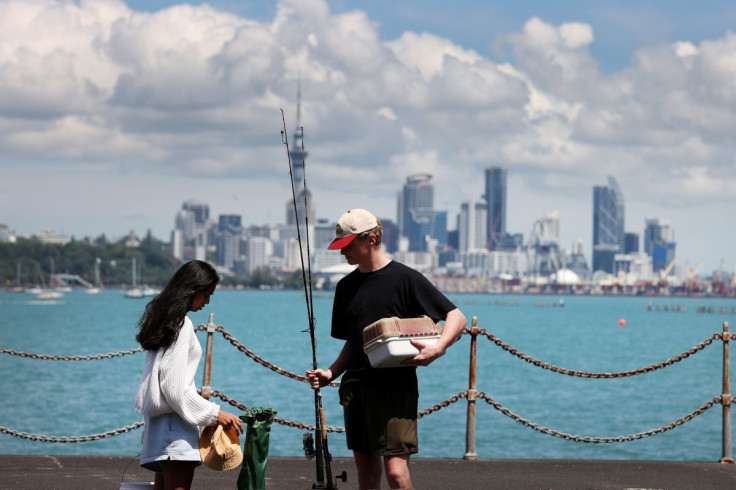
{"x":168,"y":386}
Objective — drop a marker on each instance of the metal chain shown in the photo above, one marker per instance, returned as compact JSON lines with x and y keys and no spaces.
{"x":75,"y":357}
{"x":598,"y":440}
{"x":71,"y":439}
{"x":443,"y":404}
{"x":278,"y":420}
{"x":585,"y":374}
{"x":256,"y":357}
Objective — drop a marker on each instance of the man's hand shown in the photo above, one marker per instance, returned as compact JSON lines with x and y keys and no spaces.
{"x":427,"y":353}
{"x":319,"y":378}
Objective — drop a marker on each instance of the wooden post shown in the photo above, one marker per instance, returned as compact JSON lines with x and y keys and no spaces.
{"x":472,"y":396}
{"x":726,"y":399}
{"x":206,"y":388}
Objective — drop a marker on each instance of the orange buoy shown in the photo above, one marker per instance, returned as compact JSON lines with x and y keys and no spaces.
{"x":622,"y":322}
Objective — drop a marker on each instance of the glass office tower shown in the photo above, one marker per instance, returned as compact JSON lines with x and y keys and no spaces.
{"x":496,"y":204}
{"x":608,"y":225}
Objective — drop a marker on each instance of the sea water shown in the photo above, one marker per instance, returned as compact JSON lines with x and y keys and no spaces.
{"x":76,"y":398}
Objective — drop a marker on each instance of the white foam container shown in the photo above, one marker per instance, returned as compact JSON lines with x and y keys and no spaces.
{"x":389,"y":352}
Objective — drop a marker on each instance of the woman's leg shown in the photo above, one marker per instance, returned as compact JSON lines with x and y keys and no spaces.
{"x":158,"y":482}
{"x":178,"y":475}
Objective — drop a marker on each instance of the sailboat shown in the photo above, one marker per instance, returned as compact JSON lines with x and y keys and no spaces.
{"x":50,"y":293}
{"x":36,"y":289}
{"x":17,"y":288}
{"x":98,"y":282}
{"x":134,"y":291}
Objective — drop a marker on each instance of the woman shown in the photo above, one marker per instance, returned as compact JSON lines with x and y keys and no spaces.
{"x":167,"y":396}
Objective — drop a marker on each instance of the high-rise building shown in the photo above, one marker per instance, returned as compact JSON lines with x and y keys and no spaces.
{"x":471,"y":229}
{"x":390,"y":237}
{"x":190,"y":226}
{"x":543,"y":248}
{"x":201,"y":214}
{"x":185,"y":224}
{"x":417,"y":217}
{"x":225,"y":221}
{"x":200,"y":210}
{"x":259,"y":249}
{"x":576,"y":260}
{"x":228,"y":236}
{"x":416,"y":195}
{"x":631,"y":243}
{"x":608,"y":225}
{"x":659,"y":244}
{"x":304,"y":202}
{"x":495,"y":197}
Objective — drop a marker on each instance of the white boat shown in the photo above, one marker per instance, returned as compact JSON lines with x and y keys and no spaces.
{"x":41,"y":292}
{"x":54,"y":282}
{"x":49,"y":295}
{"x":98,"y":282}
{"x":134,"y":291}
{"x":17,"y":288}
{"x":149,"y":291}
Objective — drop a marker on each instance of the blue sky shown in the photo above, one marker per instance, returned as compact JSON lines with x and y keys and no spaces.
{"x":621,"y":26}
{"x":112,"y":114}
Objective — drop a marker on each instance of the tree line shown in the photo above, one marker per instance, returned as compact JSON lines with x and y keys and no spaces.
{"x":154,"y":264}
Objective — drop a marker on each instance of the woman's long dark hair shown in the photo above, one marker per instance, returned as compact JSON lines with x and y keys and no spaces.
{"x":164,"y":315}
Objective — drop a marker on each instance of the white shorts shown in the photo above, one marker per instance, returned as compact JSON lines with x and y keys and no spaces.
{"x":169,"y":437}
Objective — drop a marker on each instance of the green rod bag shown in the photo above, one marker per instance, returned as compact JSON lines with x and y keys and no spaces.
{"x":255,"y":453}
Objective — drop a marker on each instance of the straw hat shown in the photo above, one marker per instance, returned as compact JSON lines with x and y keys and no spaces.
{"x":220,"y":448}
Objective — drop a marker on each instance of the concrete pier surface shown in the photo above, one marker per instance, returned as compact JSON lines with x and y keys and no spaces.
{"x":20,"y":472}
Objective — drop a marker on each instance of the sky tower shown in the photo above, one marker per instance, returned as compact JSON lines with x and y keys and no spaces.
{"x":298,"y":158}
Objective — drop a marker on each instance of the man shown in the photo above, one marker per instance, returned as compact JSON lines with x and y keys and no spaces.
{"x":380,"y":405}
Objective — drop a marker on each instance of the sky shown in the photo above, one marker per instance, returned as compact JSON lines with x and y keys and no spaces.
{"x":113,"y":113}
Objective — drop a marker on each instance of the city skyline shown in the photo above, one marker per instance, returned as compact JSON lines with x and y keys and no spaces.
{"x":111,"y":127}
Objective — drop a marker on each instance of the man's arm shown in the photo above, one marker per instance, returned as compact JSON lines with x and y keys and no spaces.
{"x":322,"y":377}
{"x":455,"y":321}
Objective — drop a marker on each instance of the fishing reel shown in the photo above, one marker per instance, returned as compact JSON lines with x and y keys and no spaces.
{"x":310,"y":453}
{"x":308,"y":442}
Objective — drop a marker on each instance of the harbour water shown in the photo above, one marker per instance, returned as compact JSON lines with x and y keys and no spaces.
{"x":73,"y":398}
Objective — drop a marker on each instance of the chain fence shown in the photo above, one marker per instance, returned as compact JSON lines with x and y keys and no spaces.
{"x":586,"y":374}
{"x":75,"y":357}
{"x":278,"y":420}
{"x":599,"y":440}
{"x":70,"y":439}
{"x":242,"y":348}
{"x":435,"y":408}
{"x":463,"y":395}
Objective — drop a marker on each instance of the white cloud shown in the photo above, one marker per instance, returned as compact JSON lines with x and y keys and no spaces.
{"x":426,"y":53}
{"x":387,"y":113}
{"x":576,"y":35}
{"x":194,"y":91}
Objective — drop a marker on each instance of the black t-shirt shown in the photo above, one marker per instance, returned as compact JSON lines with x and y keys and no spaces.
{"x":363,"y":298}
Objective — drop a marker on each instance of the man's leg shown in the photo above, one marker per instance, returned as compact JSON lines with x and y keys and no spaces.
{"x":369,"y":470}
{"x":397,"y":471}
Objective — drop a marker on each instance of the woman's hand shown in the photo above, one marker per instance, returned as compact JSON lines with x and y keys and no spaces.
{"x":319,"y":378}
{"x":229,"y":420}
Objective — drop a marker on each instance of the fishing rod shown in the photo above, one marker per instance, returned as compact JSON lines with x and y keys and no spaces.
{"x":321,"y":451}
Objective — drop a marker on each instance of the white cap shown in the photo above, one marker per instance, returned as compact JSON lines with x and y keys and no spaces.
{"x":350,"y":225}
